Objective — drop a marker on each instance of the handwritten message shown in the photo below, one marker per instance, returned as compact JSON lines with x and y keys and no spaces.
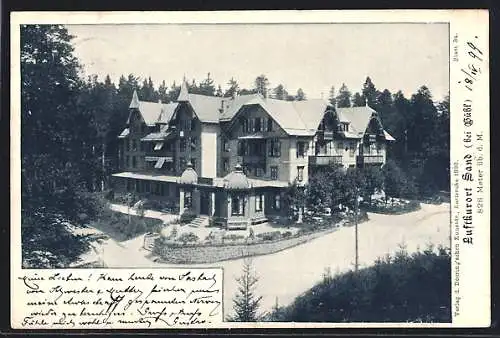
{"x":118,"y":298}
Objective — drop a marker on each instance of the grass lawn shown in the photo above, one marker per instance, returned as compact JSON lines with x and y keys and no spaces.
{"x":119,"y":227}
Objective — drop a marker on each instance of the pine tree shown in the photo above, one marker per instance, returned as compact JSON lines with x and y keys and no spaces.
{"x":246,"y":302}
{"x":56,"y":135}
{"x":331,"y":97}
{"x":207,"y":86}
{"x":301,"y":96}
{"x":358,"y":100}
{"x":219,"y":91}
{"x":162,"y":92}
{"x":344,"y":97}
{"x":279,"y":92}
{"x":261,"y":85}
{"x":233,"y":89}
{"x":369,"y":92}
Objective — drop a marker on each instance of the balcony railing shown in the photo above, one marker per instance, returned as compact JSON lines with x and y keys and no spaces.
{"x":325,"y":135}
{"x":370,"y":159}
{"x":325,"y":160}
{"x":252,"y":159}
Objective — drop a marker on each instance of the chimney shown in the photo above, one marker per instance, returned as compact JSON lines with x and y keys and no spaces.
{"x":221,"y":106}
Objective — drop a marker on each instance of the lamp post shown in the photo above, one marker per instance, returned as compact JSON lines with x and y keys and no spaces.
{"x":129,"y":201}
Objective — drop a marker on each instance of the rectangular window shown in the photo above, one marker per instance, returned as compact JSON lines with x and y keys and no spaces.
{"x":379,"y":148}
{"x":193,"y":162}
{"x":352,"y":149}
{"x":182,"y":145}
{"x":274,"y":173}
{"x":259,"y":172}
{"x":134,"y":161}
{"x":127,"y":144}
{"x":193,"y":124}
{"x":237,"y":205}
{"x":158,"y":145}
{"x":300,"y":173}
{"x":129,"y":185}
{"x":275,"y":148}
{"x":134,"y":145}
{"x":251,"y":126}
{"x":257,"y":124}
{"x":269,"y":124}
{"x":301,"y":149}
{"x":244,"y":125}
{"x":194,"y":142}
{"x":182,"y":163}
{"x":225,"y":145}
{"x":127,"y":161}
{"x":241,"y":148}
{"x":277,"y":202}
{"x":225,"y":164}
{"x":188,"y":200}
{"x":138,"y":186}
{"x":258,"y":202}
{"x":338,"y":148}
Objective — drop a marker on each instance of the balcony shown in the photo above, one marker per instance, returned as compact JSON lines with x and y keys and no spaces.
{"x":325,"y":135}
{"x":369,"y":159}
{"x":325,"y":160}
{"x":252,"y":160}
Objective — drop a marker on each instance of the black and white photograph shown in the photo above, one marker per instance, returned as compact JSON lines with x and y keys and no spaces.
{"x":310,"y":162}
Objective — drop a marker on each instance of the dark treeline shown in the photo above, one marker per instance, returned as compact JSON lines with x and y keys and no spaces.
{"x":69,"y":129}
{"x":420,"y":126}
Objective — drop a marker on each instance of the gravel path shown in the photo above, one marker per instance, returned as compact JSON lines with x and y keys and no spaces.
{"x":289,"y":273}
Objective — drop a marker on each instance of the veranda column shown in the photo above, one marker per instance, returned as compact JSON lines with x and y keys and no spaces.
{"x":212,"y":203}
{"x":181,"y":201}
{"x":229,"y":200}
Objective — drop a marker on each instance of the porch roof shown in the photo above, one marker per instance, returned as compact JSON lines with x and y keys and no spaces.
{"x":254,"y":183}
{"x":149,"y":177}
{"x":217,"y":181}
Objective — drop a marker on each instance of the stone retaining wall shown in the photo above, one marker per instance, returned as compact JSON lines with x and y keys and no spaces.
{"x":222,"y":252}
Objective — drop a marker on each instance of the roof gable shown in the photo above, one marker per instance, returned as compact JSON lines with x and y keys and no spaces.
{"x":357,"y":117}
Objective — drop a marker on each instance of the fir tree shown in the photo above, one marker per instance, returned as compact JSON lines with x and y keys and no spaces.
{"x":246,"y":302}
{"x":344,"y":97}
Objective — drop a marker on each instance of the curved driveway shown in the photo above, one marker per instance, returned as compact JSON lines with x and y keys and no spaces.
{"x":285,"y":275}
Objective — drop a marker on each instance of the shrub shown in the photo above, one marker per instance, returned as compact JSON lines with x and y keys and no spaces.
{"x":233,"y":237}
{"x":398,"y":288}
{"x":187,"y":216}
{"x":154,"y":204}
{"x":269,"y":236}
{"x":393,"y":209}
{"x":188,"y":237}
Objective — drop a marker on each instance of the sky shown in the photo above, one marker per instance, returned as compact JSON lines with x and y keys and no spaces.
{"x":313,"y":57}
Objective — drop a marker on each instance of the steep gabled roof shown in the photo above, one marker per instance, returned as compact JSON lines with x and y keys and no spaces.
{"x":311,"y":111}
{"x":298,"y":118}
{"x":167,"y":112}
{"x":234,"y":105}
{"x":207,"y":108}
{"x":152,"y":112}
{"x":358,"y":118}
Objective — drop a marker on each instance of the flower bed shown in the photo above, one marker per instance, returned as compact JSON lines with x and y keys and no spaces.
{"x":195,"y":253}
